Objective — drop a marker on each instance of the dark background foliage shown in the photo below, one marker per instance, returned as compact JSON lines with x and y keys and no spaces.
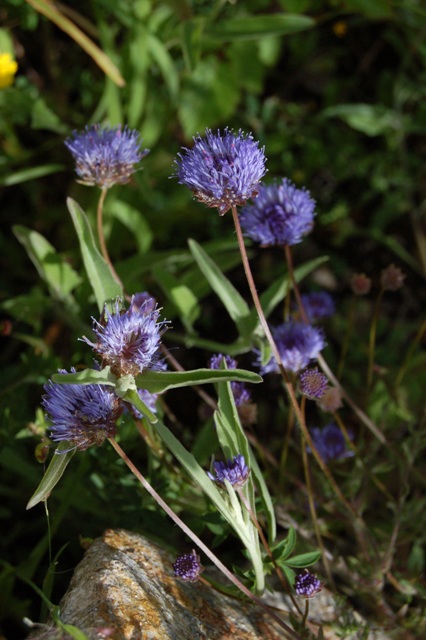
{"x":339,"y":105}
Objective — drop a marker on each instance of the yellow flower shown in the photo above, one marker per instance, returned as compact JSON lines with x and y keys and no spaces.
{"x":8,"y":68}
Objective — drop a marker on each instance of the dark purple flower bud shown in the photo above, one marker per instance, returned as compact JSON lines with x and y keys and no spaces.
{"x":105,"y":156}
{"x":298,"y":344}
{"x":188,"y":567}
{"x":235,"y":471}
{"x":83,"y":414}
{"x":330,"y":443}
{"x":318,"y":305}
{"x":280,"y":215}
{"x":129,"y":340}
{"x":222,"y":170}
{"x":307,"y":584}
{"x":312,"y":383}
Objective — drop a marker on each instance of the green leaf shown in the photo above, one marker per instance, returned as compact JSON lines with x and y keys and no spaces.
{"x":42,"y":117}
{"x":52,"y":268}
{"x":234,"y":441}
{"x":304,"y":560}
{"x":259,"y":26}
{"x":372,"y":120}
{"x":160,"y":381}
{"x":103,"y":284}
{"x":135,"y":222}
{"x":87,"y":376}
{"x":161,"y":56}
{"x":234,"y":303}
{"x":126,"y":389}
{"x":180,"y":295}
{"x":33,"y":173}
{"x":54,"y":472}
{"x":285,"y":547}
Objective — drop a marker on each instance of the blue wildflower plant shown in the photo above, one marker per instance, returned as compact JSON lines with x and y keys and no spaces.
{"x":298,"y":345}
{"x":223,"y":170}
{"x":280,"y":215}
{"x":330,"y":443}
{"x":318,"y":305}
{"x":129,"y":340}
{"x":105,"y":156}
{"x":235,"y":471}
{"x":82,"y":415}
{"x":188,"y":567}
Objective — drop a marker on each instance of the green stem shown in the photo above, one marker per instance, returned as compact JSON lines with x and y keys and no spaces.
{"x":200,"y":544}
{"x":372,"y":339}
{"x":101,"y":237}
{"x":287,"y":382}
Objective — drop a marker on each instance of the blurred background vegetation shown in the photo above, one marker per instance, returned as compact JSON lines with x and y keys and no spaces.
{"x":335,"y":90}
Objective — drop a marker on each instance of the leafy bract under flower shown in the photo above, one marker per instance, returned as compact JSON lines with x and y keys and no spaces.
{"x":81,"y":414}
{"x":280,"y":215}
{"x":129,"y":341}
{"x":105,"y":156}
{"x":222,"y":170}
{"x":297,"y":343}
{"x":235,"y":471}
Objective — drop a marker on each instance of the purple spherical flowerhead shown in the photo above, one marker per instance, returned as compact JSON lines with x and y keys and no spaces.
{"x":83,"y":414}
{"x":235,"y":471}
{"x":330,"y":443}
{"x":307,"y":584}
{"x":129,"y":341}
{"x":105,"y":156}
{"x":280,"y":215}
{"x":222,"y":170}
{"x":318,"y":305}
{"x":298,"y":344}
{"x":239,"y":390}
{"x":188,"y":567}
{"x":312,"y":383}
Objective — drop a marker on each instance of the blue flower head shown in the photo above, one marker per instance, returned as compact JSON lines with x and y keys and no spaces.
{"x":129,"y":341}
{"x":188,"y":567}
{"x":307,"y":584}
{"x":280,"y":215}
{"x":312,"y":383}
{"x":330,"y":443}
{"x":81,"y":414}
{"x":235,"y":471}
{"x":105,"y":156}
{"x":318,"y":305}
{"x":239,"y":390}
{"x":297,"y":344}
{"x":222,"y":170}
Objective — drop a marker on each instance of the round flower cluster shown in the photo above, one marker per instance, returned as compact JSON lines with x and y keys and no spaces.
{"x":235,"y":471}
{"x":280,"y":215}
{"x":129,"y":340}
{"x":307,"y":584}
{"x":222,"y":170}
{"x":188,"y":567}
{"x":105,"y":156}
{"x":81,"y":414}
{"x":312,"y":383}
{"x":297,"y":343}
{"x":330,"y":443}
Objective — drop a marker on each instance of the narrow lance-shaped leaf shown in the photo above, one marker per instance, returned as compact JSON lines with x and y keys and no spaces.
{"x":54,"y":472}
{"x":103,"y":284}
{"x":160,"y":381}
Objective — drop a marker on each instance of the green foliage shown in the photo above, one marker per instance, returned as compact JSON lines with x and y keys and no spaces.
{"x":335,"y":91}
